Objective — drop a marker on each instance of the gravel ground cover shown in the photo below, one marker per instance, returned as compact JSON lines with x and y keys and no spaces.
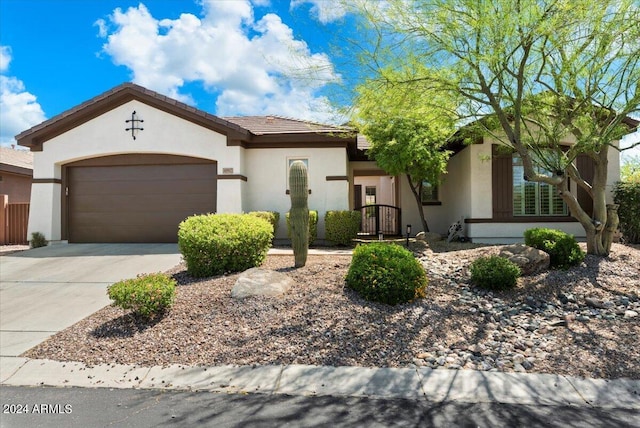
{"x":582,"y":322}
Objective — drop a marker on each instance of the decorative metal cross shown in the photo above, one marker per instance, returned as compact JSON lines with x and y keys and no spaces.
{"x":135,"y":124}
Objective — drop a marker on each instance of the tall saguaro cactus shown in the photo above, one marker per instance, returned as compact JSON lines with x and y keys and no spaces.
{"x":299,"y":214}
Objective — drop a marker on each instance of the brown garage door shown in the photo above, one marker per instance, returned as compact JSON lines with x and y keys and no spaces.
{"x":137,"y":202}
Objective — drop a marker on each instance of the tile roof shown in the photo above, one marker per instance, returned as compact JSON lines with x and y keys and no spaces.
{"x":263,"y":125}
{"x":18,"y":158}
{"x":244,"y":129}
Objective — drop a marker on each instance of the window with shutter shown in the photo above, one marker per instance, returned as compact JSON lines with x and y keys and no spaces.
{"x":533,"y":198}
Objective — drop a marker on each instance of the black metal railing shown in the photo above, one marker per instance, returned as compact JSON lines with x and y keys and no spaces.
{"x":378,"y":219}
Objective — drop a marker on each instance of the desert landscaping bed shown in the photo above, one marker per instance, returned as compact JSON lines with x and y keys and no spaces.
{"x":582,"y":322}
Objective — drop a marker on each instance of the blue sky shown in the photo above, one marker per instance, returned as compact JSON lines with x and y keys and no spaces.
{"x":234,"y":57}
{"x":227,"y":57}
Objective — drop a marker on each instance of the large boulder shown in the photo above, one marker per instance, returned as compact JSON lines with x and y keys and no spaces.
{"x":261,"y":282}
{"x":531,"y":260}
{"x":428,"y":236}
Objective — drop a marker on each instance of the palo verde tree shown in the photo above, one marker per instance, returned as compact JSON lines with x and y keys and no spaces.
{"x":406,"y":137}
{"x":551,"y":79}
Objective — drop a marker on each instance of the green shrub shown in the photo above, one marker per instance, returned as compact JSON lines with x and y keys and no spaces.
{"x":386,"y":273}
{"x":495,"y":273}
{"x":215,"y":244}
{"x":562,"y":248}
{"x":627,"y":195}
{"x":272,"y":217}
{"x":342,"y":227}
{"x":313,"y":226}
{"x":38,"y":240}
{"x":146,"y":295}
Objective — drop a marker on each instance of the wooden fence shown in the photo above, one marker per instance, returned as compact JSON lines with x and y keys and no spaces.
{"x":13,"y":222}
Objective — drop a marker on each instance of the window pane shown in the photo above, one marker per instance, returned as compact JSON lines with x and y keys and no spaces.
{"x":545,"y":195}
{"x":530,"y":196}
{"x":370,"y":195}
{"x":518,"y":190}
{"x":559,"y":207}
{"x":429,"y":192}
{"x":533,"y":198}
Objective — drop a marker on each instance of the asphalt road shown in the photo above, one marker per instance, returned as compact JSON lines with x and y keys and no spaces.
{"x":101,"y":407}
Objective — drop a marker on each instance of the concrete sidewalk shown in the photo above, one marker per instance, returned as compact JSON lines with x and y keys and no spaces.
{"x":45,"y":290}
{"x":465,"y":386}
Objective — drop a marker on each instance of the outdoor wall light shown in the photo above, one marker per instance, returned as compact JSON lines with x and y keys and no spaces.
{"x":408,"y":234}
{"x":135,"y":124}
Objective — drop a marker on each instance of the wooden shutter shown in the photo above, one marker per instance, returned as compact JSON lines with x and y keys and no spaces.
{"x":586,"y":168}
{"x":502,"y":183}
{"x":357,"y":196}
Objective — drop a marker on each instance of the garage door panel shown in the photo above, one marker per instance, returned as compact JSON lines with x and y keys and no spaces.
{"x":140,"y":218}
{"x":142,"y":203}
{"x":122,"y":187}
{"x":137,"y":203}
{"x":125,"y":234}
{"x":136,"y":172}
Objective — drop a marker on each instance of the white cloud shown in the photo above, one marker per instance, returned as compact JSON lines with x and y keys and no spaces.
{"x":19,"y":109}
{"x":256,"y":67}
{"x":5,"y":58}
{"x":324,"y":11}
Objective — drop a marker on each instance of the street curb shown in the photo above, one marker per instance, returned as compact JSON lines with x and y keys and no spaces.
{"x":466,"y":386}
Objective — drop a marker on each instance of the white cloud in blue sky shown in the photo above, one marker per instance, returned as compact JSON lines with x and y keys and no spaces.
{"x":5,"y":58}
{"x":324,"y":11}
{"x":254,"y":67}
{"x":19,"y":109}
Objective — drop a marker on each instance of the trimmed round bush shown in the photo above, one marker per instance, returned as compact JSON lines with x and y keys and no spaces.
{"x":272,"y":217}
{"x":386,"y":273}
{"x":215,"y":244}
{"x":494,"y":273}
{"x":342,"y":227}
{"x":146,"y":295}
{"x":562,"y":248}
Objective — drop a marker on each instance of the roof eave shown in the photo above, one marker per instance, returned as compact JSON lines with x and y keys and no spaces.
{"x":37,"y":135}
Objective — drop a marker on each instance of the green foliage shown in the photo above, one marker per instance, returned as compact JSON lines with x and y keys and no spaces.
{"x":215,"y":244}
{"x":532,"y":75}
{"x":494,"y":273}
{"x":407,"y":131}
{"x":272,"y":217}
{"x":38,"y":240}
{"x":386,"y":273}
{"x":299,"y":213}
{"x":630,"y":169}
{"x":313,"y":226}
{"x":342,"y":227}
{"x":146,"y":295}
{"x":627,"y":195}
{"x":562,"y":248}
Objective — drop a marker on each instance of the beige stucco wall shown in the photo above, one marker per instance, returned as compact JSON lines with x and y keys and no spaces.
{"x":105,"y":135}
{"x":385,"y":188}
{"x":479,"y":183}
{"x":613,"y":170}
{"x":266,"y":171}
{"x":466,"y":192}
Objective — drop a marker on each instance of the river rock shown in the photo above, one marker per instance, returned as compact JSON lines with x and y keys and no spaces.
{"x":529,"y":259}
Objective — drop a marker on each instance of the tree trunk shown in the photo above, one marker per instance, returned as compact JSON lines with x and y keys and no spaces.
{"x":600,"y":237}
{"x":417,"y":194}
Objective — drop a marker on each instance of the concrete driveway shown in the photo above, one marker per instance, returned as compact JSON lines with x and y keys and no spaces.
{"x":45,"y":290}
